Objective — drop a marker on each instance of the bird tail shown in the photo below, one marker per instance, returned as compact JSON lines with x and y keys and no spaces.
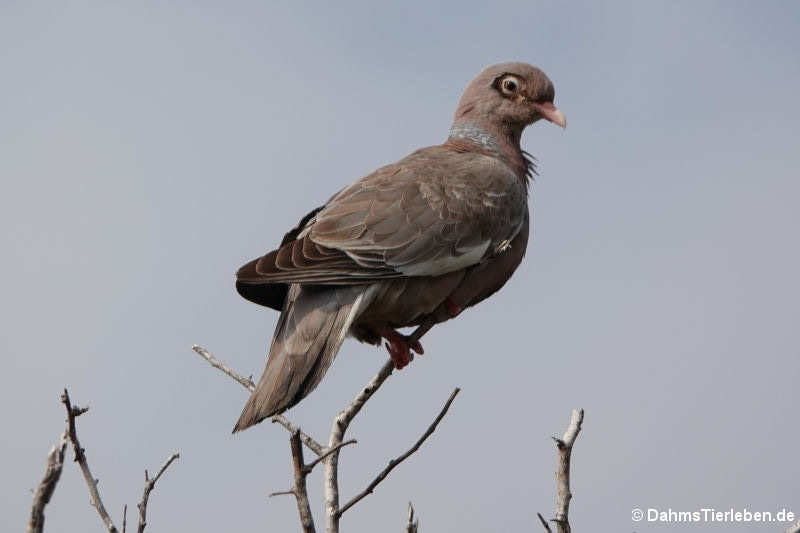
{"x":310,"y":331}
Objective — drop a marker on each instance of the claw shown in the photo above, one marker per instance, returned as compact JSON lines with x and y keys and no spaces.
{"x":400,"y":347}
{"x":399,"y":355}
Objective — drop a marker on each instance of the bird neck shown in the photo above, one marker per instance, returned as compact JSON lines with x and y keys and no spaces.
{"x":499,"y":141}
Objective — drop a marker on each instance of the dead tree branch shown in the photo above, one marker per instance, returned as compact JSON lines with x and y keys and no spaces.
{"x":564,"y":497}
{"x":149,"y":485}
{"x":80,"y":457}
{"x":43,"y":493}
{"x":281,"y":493}
{"x":247,"y":383}
{"x":55,"y":463}
{"x":301,"y":471}
{"x":412,"y":526}
{"x":544,"y":523}
{"x":340,"y":425}
{"x":300,"y":491}
{"x":394,"y":462}
{"x":329,"y":454}
{"x":310,"y":443}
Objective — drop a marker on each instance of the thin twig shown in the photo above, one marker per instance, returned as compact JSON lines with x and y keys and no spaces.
{"x":340,"y":425}
{"x":301,"y":471}
{"x":281,"y":493}
{"x":43,"y":493}
{"x":300,"y":491}
{"x":544,"y":523}
{"x":329,"y":451}
{"x":149,"y":485}
{"x":80,"y":457}
{"x":124,"y":518}
{"x":248,"y":384}
{"x":394,"y":462}
{"x":564,"y":497}
{"x":412,"y":526}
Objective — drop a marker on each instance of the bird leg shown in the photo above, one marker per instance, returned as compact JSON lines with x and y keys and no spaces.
{"x":452,"y":308}
{"x":400,"y":346}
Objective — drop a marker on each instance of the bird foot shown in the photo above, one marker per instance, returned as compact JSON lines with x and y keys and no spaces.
{"x":400,"y":346}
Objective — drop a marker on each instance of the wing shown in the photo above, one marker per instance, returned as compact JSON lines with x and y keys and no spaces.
{"x":433,"y":212}
{"x":269,"y":294}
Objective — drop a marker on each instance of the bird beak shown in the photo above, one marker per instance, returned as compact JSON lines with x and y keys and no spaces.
{"x":552,"y":113}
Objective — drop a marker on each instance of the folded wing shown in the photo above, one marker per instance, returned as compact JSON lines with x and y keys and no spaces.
{"x":433,"y":212}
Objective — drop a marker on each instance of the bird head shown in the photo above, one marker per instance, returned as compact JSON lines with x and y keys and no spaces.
{"x":516,"y":94}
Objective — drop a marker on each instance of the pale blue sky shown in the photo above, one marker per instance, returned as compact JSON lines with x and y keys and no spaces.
{"x":148,"y":150}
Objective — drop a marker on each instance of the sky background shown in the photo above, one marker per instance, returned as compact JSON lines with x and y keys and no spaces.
{"x":147,"y":150}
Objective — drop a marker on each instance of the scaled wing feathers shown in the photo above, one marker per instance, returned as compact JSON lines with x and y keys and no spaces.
{"x":431,"y":213}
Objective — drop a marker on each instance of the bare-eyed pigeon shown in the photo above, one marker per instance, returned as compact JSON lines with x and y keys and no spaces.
{"x":412,"y":244}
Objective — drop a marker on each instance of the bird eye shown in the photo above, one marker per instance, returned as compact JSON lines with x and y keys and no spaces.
{"x":509,"y":85}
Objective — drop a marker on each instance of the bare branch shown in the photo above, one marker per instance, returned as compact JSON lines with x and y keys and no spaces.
{"x":340,"y":425}
{"x":330,"y":454}
{"x":43,"y":493}
{"x":412,"y":526}
{"x":394,"y":462}
{"x":315,"y":462}
{"x":281,"y":493}
{"x":312,"y":444}
{"x":80,"y":458}
{"x":564,"y":497}
{"x":248,"y":384}
{"x":300,"y":491}
{"x":544,"y":523}
{"x":562,"y":475}
{"x":149,"y":485}
{"x":124,"y":518}
{"x":343,"y":419}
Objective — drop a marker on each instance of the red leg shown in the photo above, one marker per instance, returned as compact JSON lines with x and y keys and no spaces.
{"x":451,"y":307}
{"x":400,"y":347}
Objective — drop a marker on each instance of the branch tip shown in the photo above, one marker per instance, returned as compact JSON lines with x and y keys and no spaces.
{"x":544,"y":523}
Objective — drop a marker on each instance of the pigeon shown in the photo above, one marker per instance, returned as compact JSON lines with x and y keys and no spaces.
{"x":413,"y":243}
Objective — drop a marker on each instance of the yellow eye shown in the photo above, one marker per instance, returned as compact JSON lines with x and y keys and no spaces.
{"x":509,"y":85}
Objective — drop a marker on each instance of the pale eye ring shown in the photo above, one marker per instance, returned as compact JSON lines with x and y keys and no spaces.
{"x":509,"y":85}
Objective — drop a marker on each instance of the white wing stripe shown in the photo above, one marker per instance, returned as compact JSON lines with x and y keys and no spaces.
{"x":443,"y":264}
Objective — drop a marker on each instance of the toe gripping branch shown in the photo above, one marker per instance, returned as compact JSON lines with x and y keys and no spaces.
{"x":400,"y":346}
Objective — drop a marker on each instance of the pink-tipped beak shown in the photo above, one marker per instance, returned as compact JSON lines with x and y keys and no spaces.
{"x":552,"y":113}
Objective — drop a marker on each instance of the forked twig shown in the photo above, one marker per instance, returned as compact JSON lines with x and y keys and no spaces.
{"x":301,"y":471}
{"x":329,"y":455}
{"x":149,"y":485}
{"x":340,"y":425}
{"x":80,"y":457}
{"x":394,"y":462}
